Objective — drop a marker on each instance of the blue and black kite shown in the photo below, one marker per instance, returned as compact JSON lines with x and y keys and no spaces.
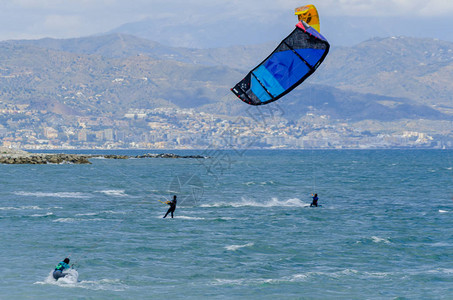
{"x":294,"y":60}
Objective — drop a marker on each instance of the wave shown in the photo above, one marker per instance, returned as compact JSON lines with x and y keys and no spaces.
{"x":270,"y":182}
{"x":236,"y":247}
{"x":72,"y":220}
{"x":274,"y":202}
{"x":72,"y":281}
{"x":116,"y":193}
{"x":189,"y":218}
{"x":443,"y":211}
{"x":100,"y":212}
{"x":181,"y":217}
{"x":300,"y":277}
{"x":42,"y":215}
{"x":380,"y":240}
{"x":56,"y":195}
{"x":374,"y":239}
{"x":21,"y":208}
{"x":86,"y":214}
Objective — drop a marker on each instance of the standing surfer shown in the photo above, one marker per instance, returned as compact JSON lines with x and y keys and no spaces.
{"x":172,"y":208}
{"x":58,"y":272}
{"x":315,"y":200}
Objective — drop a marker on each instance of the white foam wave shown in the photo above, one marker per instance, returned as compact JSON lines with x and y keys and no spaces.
{"x":42,"y":215}
{"x":116,"y":193}
{"x":86,"y":214}
{"x":443,"y":211}
{"x":72,"y":220}
{"x":274,"y":202}
{"x":20,"y":207}
{"x":380,"y":240}
{"x":236,"y":247}
{"x":270,"y":182}
{"x":72,"y":281}
{"x":189,"y":218}
{"x":100,"y":212}
{"x":256,"y":281}
{"x":229,"y":281}
{"x":337,"y":274}
{"x":300,"y":277}
{"x":56,"y":195}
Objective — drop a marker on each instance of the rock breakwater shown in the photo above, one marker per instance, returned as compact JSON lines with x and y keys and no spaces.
{"x":8,"y":156}
{"x":41,"y":159}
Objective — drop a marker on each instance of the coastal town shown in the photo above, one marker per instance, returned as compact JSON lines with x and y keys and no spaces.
{"x":22,"y":127}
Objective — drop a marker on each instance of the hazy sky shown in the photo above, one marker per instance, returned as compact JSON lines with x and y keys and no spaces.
{"x":30,"y":19}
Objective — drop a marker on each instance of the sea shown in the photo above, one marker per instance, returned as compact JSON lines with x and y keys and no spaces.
{"x":243,"y":227}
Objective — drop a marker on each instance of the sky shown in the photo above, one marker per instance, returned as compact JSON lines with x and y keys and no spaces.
{"x":345,"y":21}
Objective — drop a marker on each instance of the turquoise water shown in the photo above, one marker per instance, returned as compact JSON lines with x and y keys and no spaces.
{"x":243,"y":228}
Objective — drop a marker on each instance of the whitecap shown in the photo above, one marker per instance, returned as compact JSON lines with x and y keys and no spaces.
{"x":116,"y":193}
{"x":236,"y":247}
{"x":86,"y":214}
{"x":56,"y":194}
{"x":100,"y":212}
{"x":380,"y":240}
{"x":443,"y":211}
{"x":229,"y":281}
{"x":20,"y":208}
{"x":298,"y":277}
{"x":42,"y":215}
{"x":293,"y":278}
{"x":189,"y":218}
{"x":72,"y":220}
{"x":65,"y":220}
{"x":274,"y":202}
{"x":256,"y":281}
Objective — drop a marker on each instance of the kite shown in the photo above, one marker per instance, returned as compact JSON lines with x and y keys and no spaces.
{"x":293,"y":61}
{"x":308,"y":14}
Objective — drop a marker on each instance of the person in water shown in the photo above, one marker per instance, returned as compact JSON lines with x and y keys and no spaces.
{"x":172,"y":208}
{"x":58,"y":272}
{"x":315,"y":200}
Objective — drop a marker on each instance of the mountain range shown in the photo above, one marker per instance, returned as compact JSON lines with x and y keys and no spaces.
{"x":382,"y":79}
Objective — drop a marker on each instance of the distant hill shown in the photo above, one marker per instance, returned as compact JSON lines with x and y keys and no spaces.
{"x":384,"y":79}
{"x":118,"y":45}
{"x":417,"y":69}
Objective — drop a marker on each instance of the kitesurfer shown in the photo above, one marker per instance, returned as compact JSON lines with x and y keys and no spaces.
{"x":58,"y":272}
{"x":315,"y":200}
{"x":172,"y":208}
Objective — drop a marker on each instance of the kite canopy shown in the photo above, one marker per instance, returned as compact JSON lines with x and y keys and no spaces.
{"x":308,"y":14}
{"x":293,"y":61}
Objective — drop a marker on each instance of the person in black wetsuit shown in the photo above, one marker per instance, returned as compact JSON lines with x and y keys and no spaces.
{"x":58,"y":272}
{"x":315,"y":200}
{"x":172,"y":208}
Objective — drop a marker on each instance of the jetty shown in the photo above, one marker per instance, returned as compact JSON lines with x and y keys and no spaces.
{"x":16,"y":156}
